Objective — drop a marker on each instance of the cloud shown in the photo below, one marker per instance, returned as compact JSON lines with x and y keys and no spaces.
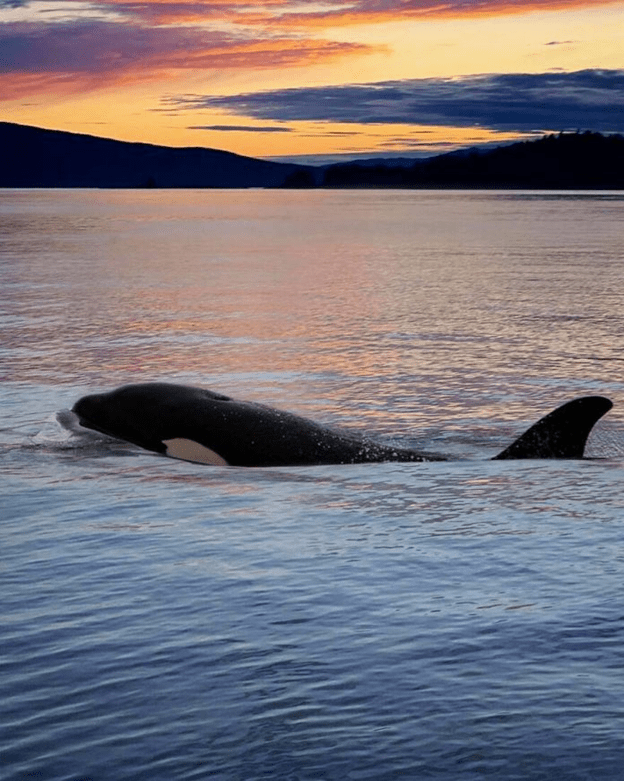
{"x":67,"y":45}
{"x":85,"y":46}
{"x":350,"y":12}
{"x":243,"y":128}
{"x":300,"y":14}
{"x":516,"y":102}
{"x":308,"y":15}
{"x":81,"y":45}
{"x":86,"y":53}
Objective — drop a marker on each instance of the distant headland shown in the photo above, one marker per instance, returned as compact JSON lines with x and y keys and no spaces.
{"x":567,"y":161}
{"x":35,"y":157}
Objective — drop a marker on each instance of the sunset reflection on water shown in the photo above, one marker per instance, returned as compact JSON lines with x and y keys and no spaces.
{"x":371,"y":304}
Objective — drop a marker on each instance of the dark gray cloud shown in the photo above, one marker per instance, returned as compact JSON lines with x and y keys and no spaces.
{"x":243,"y":128}
{"x":517,"y":102}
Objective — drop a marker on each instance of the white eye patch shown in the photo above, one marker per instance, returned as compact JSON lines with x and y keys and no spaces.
{"x":187,"y":450}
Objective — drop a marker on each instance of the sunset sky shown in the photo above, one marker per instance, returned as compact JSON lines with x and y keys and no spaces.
{"x":335,"y":77}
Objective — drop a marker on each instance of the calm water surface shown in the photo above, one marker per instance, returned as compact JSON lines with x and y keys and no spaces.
{"x":163,"y":620}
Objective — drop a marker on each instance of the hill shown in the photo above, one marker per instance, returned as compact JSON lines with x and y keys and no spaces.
{"x":34,"y":157}
{"x":566,"y":161}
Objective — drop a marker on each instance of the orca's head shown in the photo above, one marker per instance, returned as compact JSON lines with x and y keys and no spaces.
{"x":148,"y":415}
{"x":124,"y":413}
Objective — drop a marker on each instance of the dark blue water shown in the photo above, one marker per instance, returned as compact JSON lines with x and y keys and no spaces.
{"x":458,"y":620}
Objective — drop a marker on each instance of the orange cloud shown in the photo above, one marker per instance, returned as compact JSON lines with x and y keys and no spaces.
{"x":363,"y":12}
{"x":293,"y":15}
{"x":146,"y":40}
{"x":267,"y":53}
{"x":83,"y":55}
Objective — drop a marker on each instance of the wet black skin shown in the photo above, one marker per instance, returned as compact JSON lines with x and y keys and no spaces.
{"x":248,"y":434}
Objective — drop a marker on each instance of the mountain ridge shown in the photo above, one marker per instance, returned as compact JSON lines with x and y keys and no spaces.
{"x":37,"y":157}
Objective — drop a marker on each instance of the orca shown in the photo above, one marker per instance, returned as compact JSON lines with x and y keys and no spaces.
{"x":194,"y":424}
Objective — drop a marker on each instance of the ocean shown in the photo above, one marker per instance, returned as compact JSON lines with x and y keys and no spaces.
{"x":455,"y":620}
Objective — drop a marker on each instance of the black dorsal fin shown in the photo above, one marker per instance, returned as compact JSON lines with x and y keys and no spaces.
{"x":562,"y":433}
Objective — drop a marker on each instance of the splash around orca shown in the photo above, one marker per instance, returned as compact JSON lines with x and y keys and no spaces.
{"x":194,"y":424}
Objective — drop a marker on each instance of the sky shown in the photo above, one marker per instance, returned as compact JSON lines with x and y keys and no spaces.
{"x":314,"y":81}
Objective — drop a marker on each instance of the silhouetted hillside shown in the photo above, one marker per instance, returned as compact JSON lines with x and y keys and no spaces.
{"x":559,"y":162}
{"x":33,"y":157}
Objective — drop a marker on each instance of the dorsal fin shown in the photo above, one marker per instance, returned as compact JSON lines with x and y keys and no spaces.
{"x":562,"y":433}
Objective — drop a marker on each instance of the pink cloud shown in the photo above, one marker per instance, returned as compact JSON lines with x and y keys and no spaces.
{"x":147,"y":40}
{"x":89,"y":53}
